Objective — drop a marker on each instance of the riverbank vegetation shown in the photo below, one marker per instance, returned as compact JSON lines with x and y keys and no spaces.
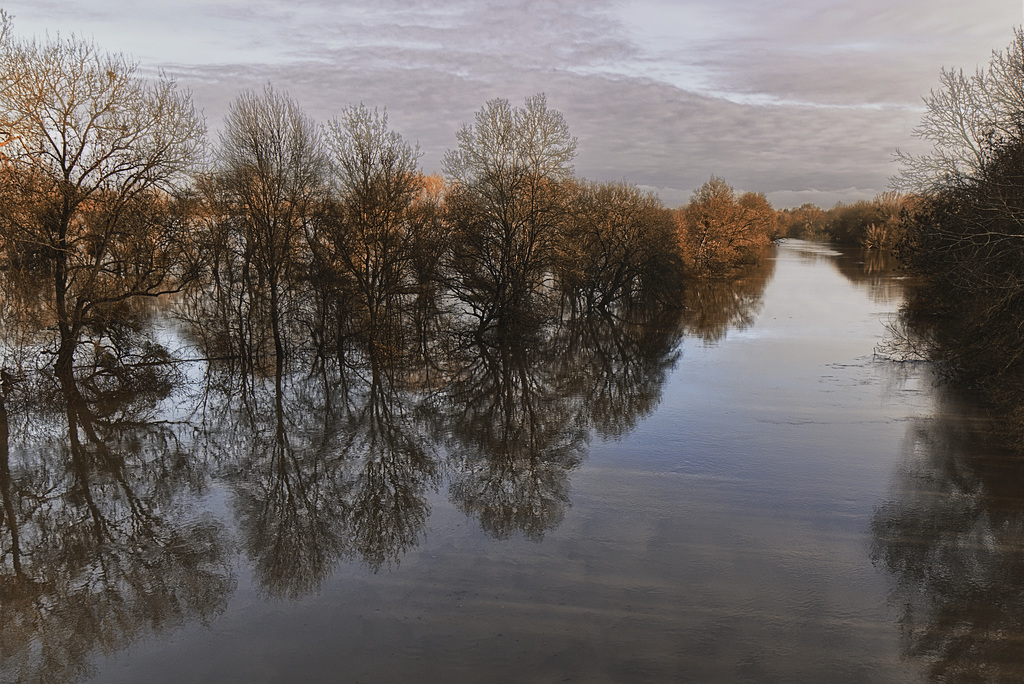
{"x":873,"y":224}
{"x":965,"y":239}
{"x":721,"y":231}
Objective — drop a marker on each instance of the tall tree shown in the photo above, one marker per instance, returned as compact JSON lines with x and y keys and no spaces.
{"x":272,"y":166}
{"x":93,"y":158}
{"x":506,"y":206}
{"x":368,"y":245}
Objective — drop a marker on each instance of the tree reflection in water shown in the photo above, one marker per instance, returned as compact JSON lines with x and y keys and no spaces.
{"x":872,"y":269}
{"x":102,"y":534}
{"x":288,"y":504}
{"x":320,"y":475}
{"x":616,"y":364}
{"x":952,"y":537}
{"x":514,"y":436}
{"x":392,"y":465}
{"x":99,"y":545}
{"x":717,"y":305}
{"x":519,"y":412}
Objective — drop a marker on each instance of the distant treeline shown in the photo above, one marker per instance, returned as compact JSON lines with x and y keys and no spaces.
{"x":330,"y":234}
{"x":874,"y":224}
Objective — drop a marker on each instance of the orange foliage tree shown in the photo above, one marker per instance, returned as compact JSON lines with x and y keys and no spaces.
{"x":719,"y":231}
{"x":617,"y":243}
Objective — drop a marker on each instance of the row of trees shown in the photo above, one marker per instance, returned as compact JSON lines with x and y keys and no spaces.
{"x":110,"y":197}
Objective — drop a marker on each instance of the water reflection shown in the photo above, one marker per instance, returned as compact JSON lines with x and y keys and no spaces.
{"x":520,"y":412}
{"x":323,"y":469}
{"x":392,"y":465}
{"x":99,"y":545}
{"x":515,"y":434}
{"x":952,"y":537}
{"x":102,"y":474}
{"x":617,"y":365}
{"x":716,"y":306}
{"x":288,"y":505}
{"x":873,"y":270}
{"x":321,"y":472}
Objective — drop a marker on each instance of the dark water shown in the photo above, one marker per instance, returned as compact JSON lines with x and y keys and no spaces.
{"x":759,"y":499}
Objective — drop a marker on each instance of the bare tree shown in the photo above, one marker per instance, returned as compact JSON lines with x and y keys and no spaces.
{"x":965,"y":120}
{"x":368,"y":245}
{"x":93,"y":158}
{"x":964,"y":237}
{"x":506,"y":205}
{"x":272,"y":167}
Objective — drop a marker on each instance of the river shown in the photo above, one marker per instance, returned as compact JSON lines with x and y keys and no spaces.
{"x":768,"y":500}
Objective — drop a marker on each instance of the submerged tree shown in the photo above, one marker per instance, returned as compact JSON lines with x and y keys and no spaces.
{"x":366,"y":246}
{"x":91,"y":166}
{"x":965,"y":238}
{"x":619,"y":243}
{"x":506,"y":207}
{"x":271,"y":179}
{"x":967,"y":245}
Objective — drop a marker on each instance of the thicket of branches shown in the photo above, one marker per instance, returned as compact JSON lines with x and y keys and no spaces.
{"x":965,"y":240}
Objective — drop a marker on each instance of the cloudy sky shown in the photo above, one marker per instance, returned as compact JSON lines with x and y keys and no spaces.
{"x":804,"y":100}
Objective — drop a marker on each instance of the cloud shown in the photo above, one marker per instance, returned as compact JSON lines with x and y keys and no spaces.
{"x":792,"y":98}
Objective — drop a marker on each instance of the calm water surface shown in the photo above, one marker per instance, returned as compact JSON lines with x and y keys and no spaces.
{"x":779,"y":505}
